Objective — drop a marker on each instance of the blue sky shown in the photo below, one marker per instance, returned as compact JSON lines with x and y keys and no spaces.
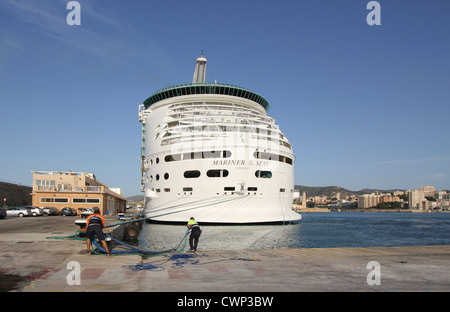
{"x":363,"y":106}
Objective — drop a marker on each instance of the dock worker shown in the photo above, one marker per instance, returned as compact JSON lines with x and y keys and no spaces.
{"x":94,"y":226}
{"x":195,"y":231}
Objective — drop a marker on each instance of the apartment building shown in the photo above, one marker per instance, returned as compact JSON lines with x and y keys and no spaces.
{"x":372,"y":200}
{"x":428,"y":191}
{"x":76,"y":190}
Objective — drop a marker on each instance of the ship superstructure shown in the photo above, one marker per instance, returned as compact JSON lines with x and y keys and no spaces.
{"x":211,"y":152}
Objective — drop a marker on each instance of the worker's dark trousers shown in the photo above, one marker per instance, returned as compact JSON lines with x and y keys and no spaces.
{"x":193,"y":239}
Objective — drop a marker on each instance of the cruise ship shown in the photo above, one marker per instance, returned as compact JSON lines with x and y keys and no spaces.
{"x":210,"y":151}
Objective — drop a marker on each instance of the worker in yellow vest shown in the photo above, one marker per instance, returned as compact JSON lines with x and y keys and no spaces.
{"x":195,"y":231}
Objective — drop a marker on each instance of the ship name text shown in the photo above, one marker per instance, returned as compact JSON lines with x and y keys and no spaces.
{"x":240,"y":162}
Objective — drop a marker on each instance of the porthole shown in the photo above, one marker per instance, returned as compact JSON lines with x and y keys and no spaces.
{"x":221,"y":173}
{"x":191,"y":174}
{"x":157,"y":177}
{"x":166,"y":176}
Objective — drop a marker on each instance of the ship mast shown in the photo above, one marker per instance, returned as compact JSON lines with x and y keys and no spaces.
{"x":200,"y":70}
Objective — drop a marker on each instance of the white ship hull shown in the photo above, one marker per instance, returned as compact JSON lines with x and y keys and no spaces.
{"x":211,"y":152}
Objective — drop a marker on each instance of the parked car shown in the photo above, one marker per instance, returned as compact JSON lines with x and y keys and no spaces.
{"x":18,"y":212}
{"x":86,"y":212}
{"x":35,"y":211}
{"x":51,"y":211}
{"x":3,"y":213}
{"x":67,"y":211}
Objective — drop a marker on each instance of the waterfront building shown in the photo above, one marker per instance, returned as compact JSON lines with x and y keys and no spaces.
{"x":428,"y":191}
{"x":368,"y":200}
{"x":77,"y":190}
{"x":416,"y":198}
{"x":388,"y":198}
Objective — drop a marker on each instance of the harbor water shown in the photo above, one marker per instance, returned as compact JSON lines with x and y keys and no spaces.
{"x":315,"y":230}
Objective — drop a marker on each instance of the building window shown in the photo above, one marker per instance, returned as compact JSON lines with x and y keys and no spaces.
{"x":53,"y":200}
{"x":43,"y":185}
{"x":86,"y":200}
{"x":191,"y":174}
{"x":217,"y":173}
{"x":263,"y":174}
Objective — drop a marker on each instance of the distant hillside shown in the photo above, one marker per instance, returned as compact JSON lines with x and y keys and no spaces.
{"x":135,"y":198}
{"x":332,"y":190}
{"x":323,"y":190}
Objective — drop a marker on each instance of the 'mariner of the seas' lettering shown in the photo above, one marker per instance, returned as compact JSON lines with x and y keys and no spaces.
{"x":229,"y":162}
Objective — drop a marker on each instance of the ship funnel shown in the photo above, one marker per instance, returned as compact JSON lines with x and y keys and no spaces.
{"x":200,"y":70}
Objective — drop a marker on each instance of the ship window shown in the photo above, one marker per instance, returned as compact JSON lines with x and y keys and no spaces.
{"x":191,"y":174}
{"x":275,"y":157}
{"x":263,"y":174}
{"x":170,"y":158}
{"x":166,"y":176}
{"x":229,"y":188}
{"x":211,"y":154}
{"x":217,"y":173}
{"x":252,"y":189}
{"x":187,"y":189}
{"x":167,"y":190}
{"x":198,"y":155}
{"x":157,"y":177}
{"x":282,"y":190}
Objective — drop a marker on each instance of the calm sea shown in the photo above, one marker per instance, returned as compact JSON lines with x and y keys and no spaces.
{"x":315,"y":230}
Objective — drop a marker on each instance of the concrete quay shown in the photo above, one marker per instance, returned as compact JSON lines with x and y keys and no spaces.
{"x":31,"y":262}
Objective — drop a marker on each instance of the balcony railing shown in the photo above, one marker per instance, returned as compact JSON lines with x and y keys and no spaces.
{"x":52,"y":188}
